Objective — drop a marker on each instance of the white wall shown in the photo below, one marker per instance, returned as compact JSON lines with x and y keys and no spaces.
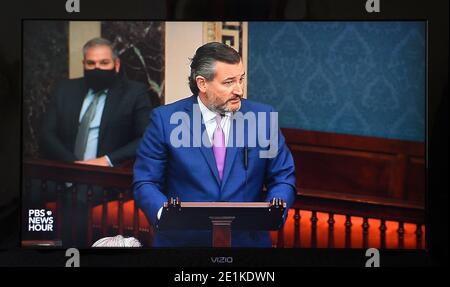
{"x":79,"y":33}
{"x":182,"y":39}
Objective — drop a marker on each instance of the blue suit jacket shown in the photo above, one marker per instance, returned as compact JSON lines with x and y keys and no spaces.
{"x":162,"y":171}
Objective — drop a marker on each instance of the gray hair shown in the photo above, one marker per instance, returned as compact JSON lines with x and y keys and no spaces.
{"x":206,"y":69}
{"x":204,"y":62}
{"x":100,"y":42}
{"x":117,"y":241}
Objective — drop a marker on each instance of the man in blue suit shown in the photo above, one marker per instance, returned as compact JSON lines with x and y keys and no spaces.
{"x":196,"y":150}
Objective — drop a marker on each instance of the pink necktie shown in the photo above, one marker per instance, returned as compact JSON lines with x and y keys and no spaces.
{"x":219,"y":147}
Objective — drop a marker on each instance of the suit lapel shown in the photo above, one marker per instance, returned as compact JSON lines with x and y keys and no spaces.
{"x":232,"y":149}
{"x":111,"y":102}
{"x":75,"y":108}
{"x":206,"y":152}
{"x":229,"y":160}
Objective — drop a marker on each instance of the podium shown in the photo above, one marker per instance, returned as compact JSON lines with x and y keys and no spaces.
{"x":221,"y":217}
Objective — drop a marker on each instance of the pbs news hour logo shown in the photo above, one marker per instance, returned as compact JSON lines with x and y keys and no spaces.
{"x":40,"y":220}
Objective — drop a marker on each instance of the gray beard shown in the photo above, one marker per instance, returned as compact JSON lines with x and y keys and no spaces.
{"x":221,"y":110}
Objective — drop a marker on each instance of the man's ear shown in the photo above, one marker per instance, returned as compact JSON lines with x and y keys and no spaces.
{"x":117,"y":64}
{"x":201,"y":83}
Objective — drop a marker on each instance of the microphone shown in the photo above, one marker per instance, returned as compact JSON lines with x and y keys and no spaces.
{"x":245,"y":163}
{"x":245,"y":157}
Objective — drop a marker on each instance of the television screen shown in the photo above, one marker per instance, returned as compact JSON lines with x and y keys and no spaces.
{"x":350,"y":100}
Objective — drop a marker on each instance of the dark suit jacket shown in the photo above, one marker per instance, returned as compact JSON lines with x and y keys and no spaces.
{"x":124,"y":119}
{"x":162,"y":171}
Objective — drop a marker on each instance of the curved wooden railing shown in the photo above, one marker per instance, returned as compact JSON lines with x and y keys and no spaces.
{"x":61,"y":173}
{"x":361,"y":178}
{"x":42,"y":172}
{"x":352,"y":206}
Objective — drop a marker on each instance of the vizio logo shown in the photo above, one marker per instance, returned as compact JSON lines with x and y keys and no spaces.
{"x":222,"y":260}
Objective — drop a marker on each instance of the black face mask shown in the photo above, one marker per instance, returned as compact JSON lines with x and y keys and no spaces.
{"x":98,"y":79}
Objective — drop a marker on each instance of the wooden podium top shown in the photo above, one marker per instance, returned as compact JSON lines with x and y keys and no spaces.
{"x":226,"y":204}
{"x":198,"y":215}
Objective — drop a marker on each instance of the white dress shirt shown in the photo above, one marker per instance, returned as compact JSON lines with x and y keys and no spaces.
{"x":94,"y":128}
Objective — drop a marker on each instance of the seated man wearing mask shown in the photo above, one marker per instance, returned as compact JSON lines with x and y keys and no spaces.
{"x":98,"y":119}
